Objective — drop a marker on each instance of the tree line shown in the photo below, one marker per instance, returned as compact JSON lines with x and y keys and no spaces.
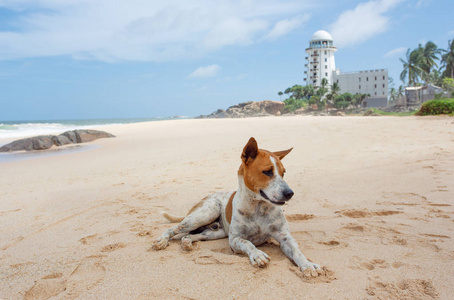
{"x":425,"y":65}
{"x":301,"y":96}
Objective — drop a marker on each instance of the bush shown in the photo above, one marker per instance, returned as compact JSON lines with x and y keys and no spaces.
{"x":292,"y":104}
{"x":437,"y":107}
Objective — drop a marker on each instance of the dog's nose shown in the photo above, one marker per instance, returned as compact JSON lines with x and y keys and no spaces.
{"x":288,"y":194}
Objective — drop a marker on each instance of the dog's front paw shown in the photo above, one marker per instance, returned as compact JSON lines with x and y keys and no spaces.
{"x":160,"y":244}
{"x":259,"y":258}
{"x":310,"y":266}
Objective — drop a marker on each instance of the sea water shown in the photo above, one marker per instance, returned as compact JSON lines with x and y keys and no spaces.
{"x":14,"y":130}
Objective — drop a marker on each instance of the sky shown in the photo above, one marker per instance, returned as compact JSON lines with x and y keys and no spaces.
{"x":91,"y":59}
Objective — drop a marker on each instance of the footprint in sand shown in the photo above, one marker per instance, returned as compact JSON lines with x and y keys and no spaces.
{"x":86,"y":275}
{"x":47,"y":287}
{"x":357,"y":213}
{"x":404,"y":289}
{"x":299,"y":217}
{"x":113,"y":247}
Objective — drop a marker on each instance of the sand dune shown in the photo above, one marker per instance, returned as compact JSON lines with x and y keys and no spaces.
{"x":374,"y":203}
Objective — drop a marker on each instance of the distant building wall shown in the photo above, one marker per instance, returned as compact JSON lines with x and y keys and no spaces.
{"x":373,"y":82}
{"x":375,"y":102}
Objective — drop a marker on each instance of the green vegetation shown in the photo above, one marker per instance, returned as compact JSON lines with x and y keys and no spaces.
{"x":420,"y":64}
{"x":437,"y":107}
{"x":377,"y":111}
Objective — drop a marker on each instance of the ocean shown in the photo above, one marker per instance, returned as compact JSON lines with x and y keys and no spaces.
{"x":14,"y":130}
{"x":18,"y":129}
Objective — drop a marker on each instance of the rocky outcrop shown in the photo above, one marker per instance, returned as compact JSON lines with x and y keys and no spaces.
{"x":44,"y":142}
{"x":249,"y":109}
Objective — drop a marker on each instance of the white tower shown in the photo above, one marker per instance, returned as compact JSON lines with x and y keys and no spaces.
{"x":320,"y":60}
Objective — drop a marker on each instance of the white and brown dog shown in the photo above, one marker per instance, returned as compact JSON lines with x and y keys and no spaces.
{"x":249,"y":216}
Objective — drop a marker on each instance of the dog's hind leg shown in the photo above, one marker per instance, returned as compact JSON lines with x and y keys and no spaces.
{"x":208,"y":212}
{"x":207,"y":234}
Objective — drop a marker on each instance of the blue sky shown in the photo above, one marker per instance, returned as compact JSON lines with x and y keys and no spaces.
{"x":80,"y":59}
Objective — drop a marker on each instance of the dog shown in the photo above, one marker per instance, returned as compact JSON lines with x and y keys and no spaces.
{"x":249,"y":217}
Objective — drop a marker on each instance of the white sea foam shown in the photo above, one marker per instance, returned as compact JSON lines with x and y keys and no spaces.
{"x":8,"y":131}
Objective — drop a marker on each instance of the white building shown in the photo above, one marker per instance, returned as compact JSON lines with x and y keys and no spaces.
{"x":321,"y":64}
{"x":320,"y":60}
{"x":371,"y":82}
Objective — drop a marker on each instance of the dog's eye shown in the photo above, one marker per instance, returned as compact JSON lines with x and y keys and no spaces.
{"x":268,"y":173}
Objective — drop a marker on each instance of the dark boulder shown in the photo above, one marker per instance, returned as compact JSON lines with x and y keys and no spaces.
{"x":44,"y":142}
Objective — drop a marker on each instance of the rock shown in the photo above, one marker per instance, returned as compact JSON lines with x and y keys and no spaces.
{"x":85,"y":136}
{"x":44,"y":142}
{"x":300,"y":111}
{"x":71,"y":135}
{"x":249,"y":109}
{"x":340,"y":114}
{"x":61,"y":140}
{"x":23,"y":144}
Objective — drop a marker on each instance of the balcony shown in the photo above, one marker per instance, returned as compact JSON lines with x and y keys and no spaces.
{"x":306,"y":57}
{"x":314,"y":62}
{"x":305,"y":72}
{"x":305,"y":65}
{"x":315,"y":54}
{"x":305,"y":79}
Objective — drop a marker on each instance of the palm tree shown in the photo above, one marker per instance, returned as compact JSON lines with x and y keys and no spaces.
{"x":392,"y":96}
{"x":280,"y":95}
{"x":428,"y":56}
{"x":308,"y":91}
{"x":335,"y":88}
{"x":411,"y":66}
{"x":447,"y":60}
{"x":324,"y":83}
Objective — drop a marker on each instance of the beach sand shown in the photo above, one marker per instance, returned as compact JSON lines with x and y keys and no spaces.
{"x":374,"y":203}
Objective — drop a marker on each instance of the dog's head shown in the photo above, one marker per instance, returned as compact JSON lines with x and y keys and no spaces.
{"x":263,"y":173}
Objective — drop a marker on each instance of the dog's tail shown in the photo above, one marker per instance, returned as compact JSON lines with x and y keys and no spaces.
{"x":171,"y":218}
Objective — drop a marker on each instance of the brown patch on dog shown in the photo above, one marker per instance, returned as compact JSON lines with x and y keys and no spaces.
{"x":255,"y":161}
{"x":197,"y":205}
{"x":228,"y":208}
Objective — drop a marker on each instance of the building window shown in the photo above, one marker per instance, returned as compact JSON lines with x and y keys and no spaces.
{"x":359,"y":87}
{"x":375,"y":86}
{"x":367,"y":78}
{"x":326,"y":60}
{"x":337,"y":80}
{"x":326,"y":74}
{"x":383,"y":92}
{"x":325,"y":52}
{"x":383,"y":77}
{"x":375,"y":77}
{"x":383,"y":85}
{"x":359,"y":79}
{"x":375,"y":93}
{"x":326,"y":67}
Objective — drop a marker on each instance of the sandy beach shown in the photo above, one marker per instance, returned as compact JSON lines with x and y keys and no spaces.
{"x":374,"y":203}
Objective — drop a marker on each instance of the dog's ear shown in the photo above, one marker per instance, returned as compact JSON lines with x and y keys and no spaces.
{"x":282,"y":154}
{"x":250,"y":151}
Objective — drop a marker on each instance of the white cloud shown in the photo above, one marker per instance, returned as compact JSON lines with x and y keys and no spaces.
{"x":362,"y":23}
{"x":285,"y":26}
{"x":396,"y":52}
{"x":141,"y":30}
{"x":204,"y":72}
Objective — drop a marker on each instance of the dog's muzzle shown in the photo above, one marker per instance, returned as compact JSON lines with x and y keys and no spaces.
{"x":287,"y":194}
